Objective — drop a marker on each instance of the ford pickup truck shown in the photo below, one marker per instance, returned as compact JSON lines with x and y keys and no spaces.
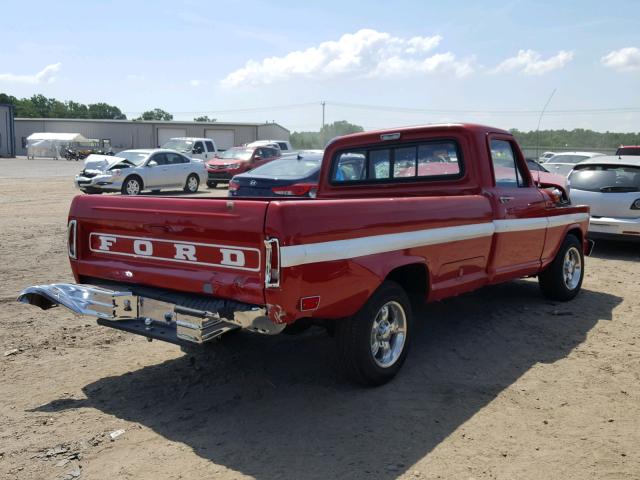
{"x":403,"y":215}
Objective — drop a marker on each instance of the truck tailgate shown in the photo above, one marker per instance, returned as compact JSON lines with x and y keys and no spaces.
{"x":211,"y":246}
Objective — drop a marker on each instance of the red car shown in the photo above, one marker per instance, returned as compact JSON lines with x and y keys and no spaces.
{"x":238,"y":160}
{"x":628,"y":150}
{"x":402,"y":215}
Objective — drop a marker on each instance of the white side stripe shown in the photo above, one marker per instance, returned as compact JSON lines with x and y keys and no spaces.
{"x":291,"y":256}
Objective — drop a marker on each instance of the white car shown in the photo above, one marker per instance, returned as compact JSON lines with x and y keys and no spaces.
{"x":610,"y":185}
{"x":545,"y":156}
{"x":284,"y":145}
{"x":132,"y":171}
{"x":563,"y":163}
{"x":198,"y":148}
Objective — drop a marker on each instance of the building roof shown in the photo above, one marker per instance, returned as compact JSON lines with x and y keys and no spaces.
{"x":167,"y":122}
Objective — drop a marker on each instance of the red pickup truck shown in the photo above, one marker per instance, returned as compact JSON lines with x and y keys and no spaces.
{"x":421,"y":213}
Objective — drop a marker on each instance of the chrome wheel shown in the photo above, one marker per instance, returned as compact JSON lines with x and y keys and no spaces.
{"x":388,"y":334}
{"x":572,"y":268}
{"x":132,"y":187}
{"x":192,"y":184}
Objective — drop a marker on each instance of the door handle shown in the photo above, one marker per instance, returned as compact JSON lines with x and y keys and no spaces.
{"x":505,"y":199}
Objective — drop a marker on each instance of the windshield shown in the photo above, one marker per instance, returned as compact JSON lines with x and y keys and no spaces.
{"x":567,"y":159}
{"x":137,"y":158}
{"x":606,"y":178}
{"x":289,"y":167}
{"x":237,"y":154}
{"x":179,"y":145}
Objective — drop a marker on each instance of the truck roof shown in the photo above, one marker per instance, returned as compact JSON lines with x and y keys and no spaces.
{"x":472,"y":127}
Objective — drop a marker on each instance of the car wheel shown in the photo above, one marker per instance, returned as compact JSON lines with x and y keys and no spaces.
{"x":132,"y":186}
{"x":373,"y":344}
{"x":192,"y":184}
{"x":212,"y":184}
{"x":562,"y":279}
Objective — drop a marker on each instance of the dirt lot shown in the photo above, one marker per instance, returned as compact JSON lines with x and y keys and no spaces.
{"x":500,"y":383}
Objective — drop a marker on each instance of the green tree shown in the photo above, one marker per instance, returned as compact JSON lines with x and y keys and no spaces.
{"x":155,"y":114}
{"x":313,"y":140}
{"x":104,"y":110}
{"x":204,"y":118}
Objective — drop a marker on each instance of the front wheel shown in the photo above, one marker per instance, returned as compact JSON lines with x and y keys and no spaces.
{"x":132,"y":186}
{"x":373,"y":344}
{"x":562,"y":279}
{"x":192,"y":184}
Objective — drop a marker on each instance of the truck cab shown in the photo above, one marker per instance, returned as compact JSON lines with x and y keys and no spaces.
{"x":197,"y":148}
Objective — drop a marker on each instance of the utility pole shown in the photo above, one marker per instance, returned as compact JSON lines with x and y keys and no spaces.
{"x":322,"y":139}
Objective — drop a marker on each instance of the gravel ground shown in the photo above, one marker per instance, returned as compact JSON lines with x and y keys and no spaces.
{"x":500,"y":383}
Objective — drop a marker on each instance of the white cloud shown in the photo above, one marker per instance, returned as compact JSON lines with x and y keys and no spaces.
{"x":195,"y":83}
{"x":623,"y":60}
{"x":46,"y":75}
{"x":366,"y":53}
{"x":530,"y":62}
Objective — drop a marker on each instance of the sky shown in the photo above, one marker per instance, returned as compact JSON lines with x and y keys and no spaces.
{"x":375,"y":63}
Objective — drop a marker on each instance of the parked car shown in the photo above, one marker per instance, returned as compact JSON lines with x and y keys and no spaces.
{"x":283,"y":145}
{"x":545,"y":156}
{"x":238,"y":160}
{"x":187,"y":271}
{"x":610,"y":185}
{"x":544,"y":177}
{"x":294,"y":176}
{"x":628,"y":150}
{"x":193,"y":147}
{"x":132,"y":171}
{"x":563,"y":163}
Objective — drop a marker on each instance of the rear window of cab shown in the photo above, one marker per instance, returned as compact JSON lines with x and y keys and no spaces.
{"x":420,"y":161}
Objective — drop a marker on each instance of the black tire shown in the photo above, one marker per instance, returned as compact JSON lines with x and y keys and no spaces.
{"x":157,"y":190}
{"x":91,"y":192}
{"x":553,"y":282}
{"x":354,"y":338}
{"x":128,"y":182}
{"x":212,"y":184}
{"x":192,"y":184}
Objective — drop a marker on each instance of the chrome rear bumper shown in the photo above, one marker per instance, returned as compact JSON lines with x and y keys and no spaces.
{"x":146,"y":316}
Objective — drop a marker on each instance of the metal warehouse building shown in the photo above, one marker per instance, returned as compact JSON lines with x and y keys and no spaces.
{"x":7,"y":135}
{"x":124,"y":134}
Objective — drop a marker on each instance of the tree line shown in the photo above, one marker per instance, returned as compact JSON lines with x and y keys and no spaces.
{"x":578,"y":138}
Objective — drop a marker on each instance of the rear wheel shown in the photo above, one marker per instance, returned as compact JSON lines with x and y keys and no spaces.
{"x":562,"y":279}
{"x":373,"y":344}
{"x":212,"y":184}
{"x":132,"y":186}
{"x":192,"y":184}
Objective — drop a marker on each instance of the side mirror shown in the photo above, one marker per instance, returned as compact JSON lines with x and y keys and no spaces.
{"x":197,"y":151}
{"x":152,"y":163}
{"x":257,"y":157}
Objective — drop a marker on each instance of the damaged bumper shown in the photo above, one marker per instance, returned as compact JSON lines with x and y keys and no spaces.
{"x":165,"y":319}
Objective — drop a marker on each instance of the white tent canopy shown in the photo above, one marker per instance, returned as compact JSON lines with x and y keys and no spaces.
{"x":63,"y":137}
{"x":49,"y":144}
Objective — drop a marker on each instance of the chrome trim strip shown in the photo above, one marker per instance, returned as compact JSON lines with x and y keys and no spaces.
{"x":72,"y":228}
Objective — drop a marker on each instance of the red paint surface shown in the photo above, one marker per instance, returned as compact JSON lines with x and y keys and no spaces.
{"x":339,"y":213}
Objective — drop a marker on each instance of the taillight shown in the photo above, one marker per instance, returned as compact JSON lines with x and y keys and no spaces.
{"x":297,"y":190}
{"x":233,"y":185}
{"x":72,"y":239}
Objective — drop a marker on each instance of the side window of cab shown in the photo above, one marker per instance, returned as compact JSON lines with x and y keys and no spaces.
{"x":506,"y":170}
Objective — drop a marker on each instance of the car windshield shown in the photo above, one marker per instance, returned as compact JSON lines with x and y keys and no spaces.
{"x":567,"y":159}
{"x":606,"y":178}
{"x":137,"y":158}
{"x":289,"y":167}
{"x":237,"y":154}
{"x":179,"y":145}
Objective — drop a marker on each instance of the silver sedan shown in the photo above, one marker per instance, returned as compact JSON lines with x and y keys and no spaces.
{"x":132,"y":171}
{"x":611,"y":187}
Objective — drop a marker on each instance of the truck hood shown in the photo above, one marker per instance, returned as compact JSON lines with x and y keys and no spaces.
{"x":103,"y":163}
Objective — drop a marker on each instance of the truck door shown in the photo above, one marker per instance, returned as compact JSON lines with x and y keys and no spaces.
{"x":520,"y":221}
{"x":199,"y":151}
{"x":211,"y":150}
